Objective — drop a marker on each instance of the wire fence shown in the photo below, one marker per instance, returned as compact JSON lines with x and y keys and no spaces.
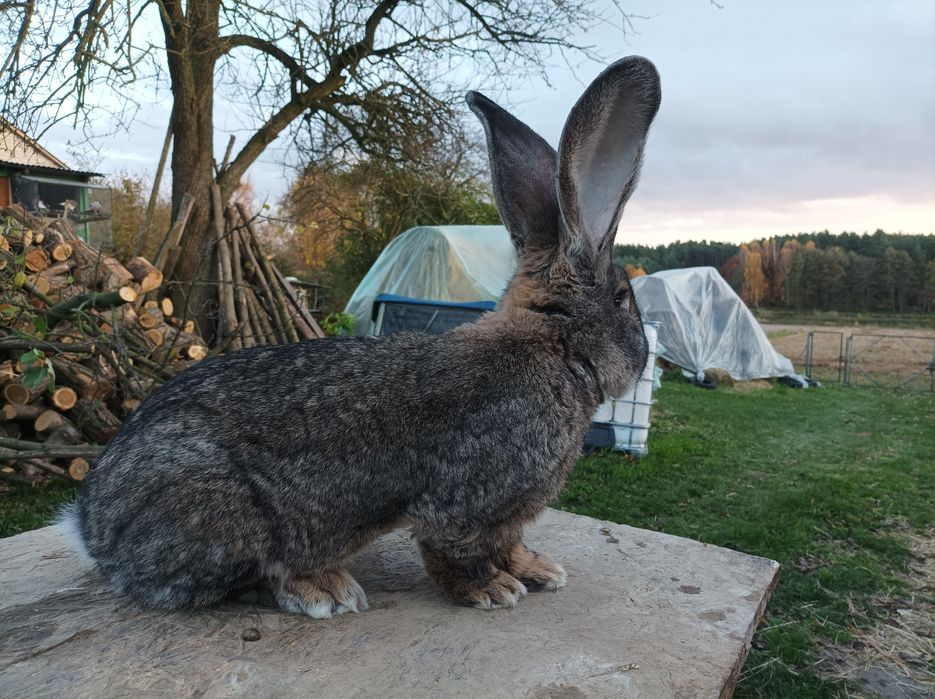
{"x":873,"y":359}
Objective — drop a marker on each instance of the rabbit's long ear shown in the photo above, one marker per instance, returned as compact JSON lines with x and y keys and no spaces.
{"x":601,"y":149}
{"x":523,"y":169}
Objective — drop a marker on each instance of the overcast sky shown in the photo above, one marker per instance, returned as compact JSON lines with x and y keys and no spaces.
{"x":776,"y":117}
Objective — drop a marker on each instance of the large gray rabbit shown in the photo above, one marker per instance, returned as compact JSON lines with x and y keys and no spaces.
{"x":271,"y":466}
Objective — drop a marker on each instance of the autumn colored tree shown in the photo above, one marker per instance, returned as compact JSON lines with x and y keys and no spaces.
{"x":787,"y":254}
{"x":341,"y":216}
{"x":129,"y":197}
{"x":754,"y":286}
{"x":634,"y":272}
{"x":319,"y":207}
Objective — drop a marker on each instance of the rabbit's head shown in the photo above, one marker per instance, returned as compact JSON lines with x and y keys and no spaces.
{"x":562,"y":212}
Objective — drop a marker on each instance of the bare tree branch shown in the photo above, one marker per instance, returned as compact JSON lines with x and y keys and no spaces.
{"x":28,"y":9}
{"x":296,"y":70}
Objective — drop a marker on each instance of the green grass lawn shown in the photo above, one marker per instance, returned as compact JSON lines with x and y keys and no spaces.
{"x":825,"y":481}
{"x":23,"y":508}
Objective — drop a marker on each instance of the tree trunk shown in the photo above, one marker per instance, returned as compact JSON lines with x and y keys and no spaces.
{"x":192,"y":51}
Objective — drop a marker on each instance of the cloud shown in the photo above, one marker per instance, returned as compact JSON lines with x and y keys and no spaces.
{"x":647,"y":225}
{"x":768,"y":106}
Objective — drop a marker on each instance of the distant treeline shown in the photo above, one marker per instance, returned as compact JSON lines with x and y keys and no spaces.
{"x":814,"y":271}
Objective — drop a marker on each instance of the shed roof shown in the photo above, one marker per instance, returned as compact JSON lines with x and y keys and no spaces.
{"x":43,"y":170}
{"x":20,"y":151}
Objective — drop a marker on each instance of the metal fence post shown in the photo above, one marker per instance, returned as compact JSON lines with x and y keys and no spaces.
{"x":841,"y":358}
{"x":809,"y":342}
{"x":931,"y":369}
{"x":847,"y":361}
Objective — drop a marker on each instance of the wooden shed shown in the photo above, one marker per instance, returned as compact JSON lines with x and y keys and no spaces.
{"x":42,"y":183}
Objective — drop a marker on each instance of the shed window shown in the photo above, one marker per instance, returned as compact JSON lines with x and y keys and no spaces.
{"x":88,"y":206}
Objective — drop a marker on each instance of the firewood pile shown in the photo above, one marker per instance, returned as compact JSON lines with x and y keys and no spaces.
{"x":85,"y":338}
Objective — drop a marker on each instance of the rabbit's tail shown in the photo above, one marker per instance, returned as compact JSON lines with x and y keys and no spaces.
{"x":69,"y":520}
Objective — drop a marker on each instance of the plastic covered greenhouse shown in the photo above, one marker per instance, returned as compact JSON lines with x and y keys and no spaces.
{"x":704,"y":324}
{"x":458,"y":266}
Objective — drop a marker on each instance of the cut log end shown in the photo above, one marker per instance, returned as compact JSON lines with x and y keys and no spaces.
{"x":64,"y":398}
{"x":155,"y":337}
{"x":78,"y":468}
{"x":128,"y":294}
{"x":196,"y":352}
{"x":17,"y":393}
{"x":37,"y":260}
{"x":42,"y":284}
{"x":145,"y":274}
{"x":62,"y":252}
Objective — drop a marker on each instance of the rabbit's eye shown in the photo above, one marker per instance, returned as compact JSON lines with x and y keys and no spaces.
{"x":622,"y":299}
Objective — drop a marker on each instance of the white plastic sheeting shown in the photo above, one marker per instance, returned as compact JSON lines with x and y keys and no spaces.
{"x":703,"y":324}
{"x":437,"y":263}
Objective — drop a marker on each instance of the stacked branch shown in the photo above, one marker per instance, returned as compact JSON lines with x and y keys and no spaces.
{"x":257,"y":306}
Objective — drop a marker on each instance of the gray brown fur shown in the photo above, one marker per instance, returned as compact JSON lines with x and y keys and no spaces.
{"x":272,"y":465}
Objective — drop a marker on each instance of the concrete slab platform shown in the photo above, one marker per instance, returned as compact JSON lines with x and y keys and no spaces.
{"x":644,"y":615}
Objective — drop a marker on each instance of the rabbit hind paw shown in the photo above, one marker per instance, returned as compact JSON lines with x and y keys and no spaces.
{"x":322,"y":594}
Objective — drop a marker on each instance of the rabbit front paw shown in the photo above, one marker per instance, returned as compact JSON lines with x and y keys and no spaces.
{"x":502,"y":590}
{"x":534,"y":570}
{"x":322,"y":594}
